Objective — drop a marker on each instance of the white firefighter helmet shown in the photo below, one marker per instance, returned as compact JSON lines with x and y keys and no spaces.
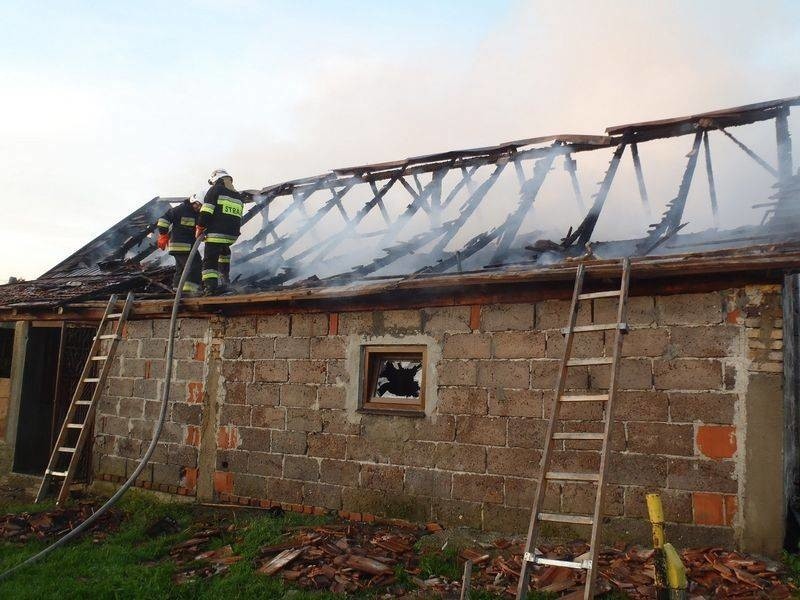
{"x":217,"y":175}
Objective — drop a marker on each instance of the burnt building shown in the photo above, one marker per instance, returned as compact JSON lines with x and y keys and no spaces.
{"x":393,"y":345}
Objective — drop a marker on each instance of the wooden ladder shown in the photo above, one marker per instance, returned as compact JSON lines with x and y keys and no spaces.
{"x":74,"y":430}
{"x":587,"y":561}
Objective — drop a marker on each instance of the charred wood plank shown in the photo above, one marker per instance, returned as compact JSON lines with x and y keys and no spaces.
{"x":637,"y":166}
{"x":571,"y":167}
{"x":761,"y":162}
{"x":712,"y":188}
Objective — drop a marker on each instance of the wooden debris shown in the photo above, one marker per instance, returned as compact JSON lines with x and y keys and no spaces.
{"x":280,"y":561}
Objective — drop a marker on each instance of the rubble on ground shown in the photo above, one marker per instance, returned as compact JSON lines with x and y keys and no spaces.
{"x":354,"y":557}
{"x":195,"y":558}
{"x":25,"y":526}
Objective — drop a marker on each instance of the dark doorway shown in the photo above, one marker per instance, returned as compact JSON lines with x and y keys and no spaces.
{"x":54,"y":360}
{"x":36,"y":404}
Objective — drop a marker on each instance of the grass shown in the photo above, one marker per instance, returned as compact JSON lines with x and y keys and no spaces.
{"x":128,"y":564}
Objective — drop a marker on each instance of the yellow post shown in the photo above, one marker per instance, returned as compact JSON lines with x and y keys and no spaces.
{"x":670,"y":572}
{"x":656,"y":512}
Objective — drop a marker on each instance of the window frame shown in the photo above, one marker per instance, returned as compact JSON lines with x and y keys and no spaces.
{"x":376,"y":405}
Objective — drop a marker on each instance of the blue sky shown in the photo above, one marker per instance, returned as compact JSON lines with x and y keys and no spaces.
{"x":107,"y":104}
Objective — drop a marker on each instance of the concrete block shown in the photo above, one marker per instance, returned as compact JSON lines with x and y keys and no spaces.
{"x":152,"y":348}
{"x":580,"y":498}
{"x":308,"y":371}
{"x":240,"y":327}
{"x":584,"y":345}
{"x":193,"y":328}
{"x":283,"y":490}
{"x":259,"y":348}
{"x":262,"y":394}
{"x":553,"y":314}
{"x":706,"y":407}
{"x":326,"y":347}
{"x":633,"y":374}
{"x":515,"y":403}
{"x":478,"y":488}
{"x":647,"y":341}
{"x":504,"y":317}
{"x":638,"y":469}
{"x":131,"y":407}
{"x":462,"y":400}
{"x":690,"y":309}
{"x":321,"y":494}
{"x":324,"y":445}
{"x":298,"y":395}
{"x":450,"y":319}
{"x":360,"y":323}
{"x":271,"y":370}
{"x":460,"y":457}
{"x":544,"y":375}
{"x":382,"y":477}
{"x":702,"y":475}
{"x":687,"y":374}
{"x":504,"y":373}
{"x":518,"y":344}
{"x":249,"y":486}
{"x":237,"y":370}
{"x":331,"y":396}
{"x":301,"y":467}
{"x":428,"y":482}
{"x":457,"y":372}
{"x":272,"y":325}
{"x":701,"y":342}
{"x":270,"y":417}
{"x":457,"y":513}
{"x":289,"y":442}
{"x":192,"y":414}
{"x":526,"y":433}
{"x":292,"y":347}
{"x":265,"y":463}
{"x":661,"y":438}
{"x":677,"y":504}
{"x":512,"y":461}
{"x":256,"y":439}
{"x":467,"y":345}
{"x":188,"y":370}
{"x":489,"y":431}
{"x":337,"y":372}
{"x":309,"y":325}
{"x":641,"y":310}
{"x":641,"y":406}
{"x":398,"y":321}
{"x":339,"y":472}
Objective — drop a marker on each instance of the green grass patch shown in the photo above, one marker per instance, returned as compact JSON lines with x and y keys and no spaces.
{"x":129,"y":564}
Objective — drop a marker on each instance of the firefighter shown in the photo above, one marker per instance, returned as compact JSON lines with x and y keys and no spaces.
{"x":220,"y":218}
{"x":176,"y":235}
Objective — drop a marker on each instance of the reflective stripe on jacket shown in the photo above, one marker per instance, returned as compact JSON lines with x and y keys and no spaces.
{"x":221,"y":214}
{"x":180,"y":221}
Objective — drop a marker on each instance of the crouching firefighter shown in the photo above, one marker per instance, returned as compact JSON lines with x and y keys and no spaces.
{"x":176,"y":235}
{"x":220,"y":218}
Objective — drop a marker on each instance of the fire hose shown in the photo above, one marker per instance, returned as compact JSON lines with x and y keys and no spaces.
{"x":156,"y":431}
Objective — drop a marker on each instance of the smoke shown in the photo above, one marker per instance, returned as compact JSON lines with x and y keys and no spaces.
{"x":567,"y":67}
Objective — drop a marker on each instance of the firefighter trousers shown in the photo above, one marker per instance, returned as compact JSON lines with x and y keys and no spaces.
{"x":216,"y":265}
{"x":192,"y":283}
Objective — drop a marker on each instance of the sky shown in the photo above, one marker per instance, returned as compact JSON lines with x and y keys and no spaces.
{"x":106,"y":105}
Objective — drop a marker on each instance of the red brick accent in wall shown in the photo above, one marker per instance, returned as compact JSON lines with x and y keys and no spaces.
{"x":333,"y":324}
{"x":192,"y":436}
{"x":200,"y":351}
{"x":194,"y":392}
{"x":189,"y":478}
{"x":714,"y":509}
{"x":223,"y":482}
{"x":475,"y":317}
{"x":716,"y":441}
{"x":227,"y":438}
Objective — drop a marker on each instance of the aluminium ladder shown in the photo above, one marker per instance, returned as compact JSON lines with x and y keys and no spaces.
{"x":587,"y":561}
{"x":74,"y":430}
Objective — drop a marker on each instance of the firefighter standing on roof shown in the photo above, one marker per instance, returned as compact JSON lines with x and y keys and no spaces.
{"x":220,"y":218}
{"x":176,"y":230}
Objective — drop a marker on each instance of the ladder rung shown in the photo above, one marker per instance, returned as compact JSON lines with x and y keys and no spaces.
{"x":586,"y":398}
{"x":74,"y":425}
{"x":591,"y":296}
{"x":583,"y":362}
{"x":556,"y":518}
{"x":100,"y":357}
{"x":561,"y":476}
{"x":553,"y":562}
{"x":65,"y":449}
{"x":56,"y":473}
{"x":92,"y":380}
{"x":114,"y":316}
{"x":596,"y":327}
{"x":578,"y":436}
{"x":109,"y":336}
{"x":83,"y":402}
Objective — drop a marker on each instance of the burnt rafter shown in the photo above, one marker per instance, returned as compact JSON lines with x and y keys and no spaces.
{"x":584,"y":232}
{"x":671,"y":219}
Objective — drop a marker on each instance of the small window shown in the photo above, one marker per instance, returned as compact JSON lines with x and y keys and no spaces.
{"x":393,"y":379}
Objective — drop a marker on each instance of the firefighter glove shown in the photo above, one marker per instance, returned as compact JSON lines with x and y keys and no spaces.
{"x":163,"y":241}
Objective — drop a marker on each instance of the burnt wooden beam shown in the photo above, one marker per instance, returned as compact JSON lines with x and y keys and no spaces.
{"x":671,"y":220}
{"x":712,"y":188}
{"x":583,"y":233}
{"x":418,"y":202}
{"x":381,"y":206}
{"x":571,"y":167}
{"x":637,"y":167}
{"x":784,"y":143}
{"x":466,"y":179}
{"x":761,"y":162}
{"x":528,"y":193}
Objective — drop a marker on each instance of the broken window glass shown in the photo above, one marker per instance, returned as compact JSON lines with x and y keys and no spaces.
{"x":394,"y":377}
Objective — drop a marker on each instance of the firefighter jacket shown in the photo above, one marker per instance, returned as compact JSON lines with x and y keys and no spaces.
{"x":221,"y":214}
{"x":180,"y":222}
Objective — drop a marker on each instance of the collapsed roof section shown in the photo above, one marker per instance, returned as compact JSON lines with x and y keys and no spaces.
{"x":417,"y":217}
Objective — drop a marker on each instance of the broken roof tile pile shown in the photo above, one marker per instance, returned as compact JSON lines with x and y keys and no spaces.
{"x":357,"y":557}
{"x":423,"y":216}
{"x":24,"y":527}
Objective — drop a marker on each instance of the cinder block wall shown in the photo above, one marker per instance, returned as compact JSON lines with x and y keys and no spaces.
{"x":268,"y":406}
